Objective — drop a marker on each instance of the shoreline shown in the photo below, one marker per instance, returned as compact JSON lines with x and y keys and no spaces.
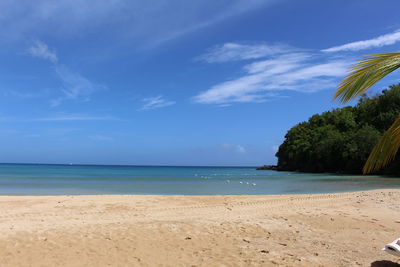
{"x":199,"y":195}
{"x":333,"y":229}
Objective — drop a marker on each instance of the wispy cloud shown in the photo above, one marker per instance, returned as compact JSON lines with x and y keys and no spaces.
{"x":75,"y":118}
{"x":41,"y":50}
{"x":271,"y":69}
{"x":234,"y":51}
{"x":18,"y":94}
{"x":60,"y":117}
{"x":234,"y":147}
{"x":262,"y":79}
{"x":383,"y":40}
{"x":101,"y":138}
{"x":126,"y":21}
{"x":156,"y":102}
{"x":74,"y":85}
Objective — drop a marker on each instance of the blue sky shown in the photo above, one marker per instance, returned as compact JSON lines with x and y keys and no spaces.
{"x":175,"y":82}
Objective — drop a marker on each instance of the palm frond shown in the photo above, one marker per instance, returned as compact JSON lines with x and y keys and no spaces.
{"x":385,"y":150}
{"x":365,"y":74}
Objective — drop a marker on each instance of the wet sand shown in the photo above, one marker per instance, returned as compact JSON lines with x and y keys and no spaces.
{"x":346,"y":229}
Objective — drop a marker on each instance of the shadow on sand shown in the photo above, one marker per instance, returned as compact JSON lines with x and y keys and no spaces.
{"x":384,"y":264}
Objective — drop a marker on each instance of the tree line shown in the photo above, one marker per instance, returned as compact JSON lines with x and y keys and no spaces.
{"x":342,"y":139}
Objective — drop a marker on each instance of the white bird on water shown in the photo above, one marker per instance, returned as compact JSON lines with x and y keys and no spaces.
{"x":254,"y":184}
{"x":241,"y":182}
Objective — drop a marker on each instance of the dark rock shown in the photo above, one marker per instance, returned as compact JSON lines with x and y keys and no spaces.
{"x":268,"y":167}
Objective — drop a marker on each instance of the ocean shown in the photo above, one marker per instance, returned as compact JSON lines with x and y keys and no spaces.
{"x":43,"y":179}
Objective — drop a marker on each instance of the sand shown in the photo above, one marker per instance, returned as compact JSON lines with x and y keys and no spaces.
{"x":346,"y":229}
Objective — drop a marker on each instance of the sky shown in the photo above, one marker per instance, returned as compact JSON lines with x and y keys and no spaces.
{"x":176,"y":82}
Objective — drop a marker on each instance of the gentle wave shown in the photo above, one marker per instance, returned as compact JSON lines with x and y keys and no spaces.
{"x":33,"y":179}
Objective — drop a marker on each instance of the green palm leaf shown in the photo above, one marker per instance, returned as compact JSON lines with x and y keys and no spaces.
{"x":366,"y":73}
{"x":361,"y":77}
{"x":385,"y":150}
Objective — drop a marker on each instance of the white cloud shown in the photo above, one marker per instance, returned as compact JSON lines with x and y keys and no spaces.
{"x":150,"y":22}
{"x":74,"y":86}
{"x":275,"y":68}
{"x":335,"y":68}
{"x":41,"y":50}
{"x":262,"y":79}
{"x":234,"y":51}
{"x":234,"y":147}
{"x":383,"y":40}
{"x":156,"y":102}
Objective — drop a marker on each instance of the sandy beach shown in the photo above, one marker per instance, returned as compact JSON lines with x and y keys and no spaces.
{"x":346,"y":229}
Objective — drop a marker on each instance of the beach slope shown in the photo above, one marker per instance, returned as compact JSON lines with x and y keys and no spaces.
{"x":346,"y":229}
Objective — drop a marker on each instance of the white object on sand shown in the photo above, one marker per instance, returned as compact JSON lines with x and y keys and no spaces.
{"x":393,"y":248}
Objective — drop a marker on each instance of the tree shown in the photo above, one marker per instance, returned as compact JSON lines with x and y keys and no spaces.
{"x":362,"y":76}
{"x":341,"y":140}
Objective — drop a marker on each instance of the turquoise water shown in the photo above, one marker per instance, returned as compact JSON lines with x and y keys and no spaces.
{"x":33,"y":179}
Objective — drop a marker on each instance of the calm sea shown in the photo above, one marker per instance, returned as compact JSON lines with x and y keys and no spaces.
{"x":34,"y":179}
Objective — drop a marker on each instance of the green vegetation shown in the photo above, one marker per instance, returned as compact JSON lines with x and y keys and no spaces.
{"x":362,"y":76}
{"x":342,"y":139}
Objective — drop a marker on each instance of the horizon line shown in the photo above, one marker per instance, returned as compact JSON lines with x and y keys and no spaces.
{"x":132,"y":165}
